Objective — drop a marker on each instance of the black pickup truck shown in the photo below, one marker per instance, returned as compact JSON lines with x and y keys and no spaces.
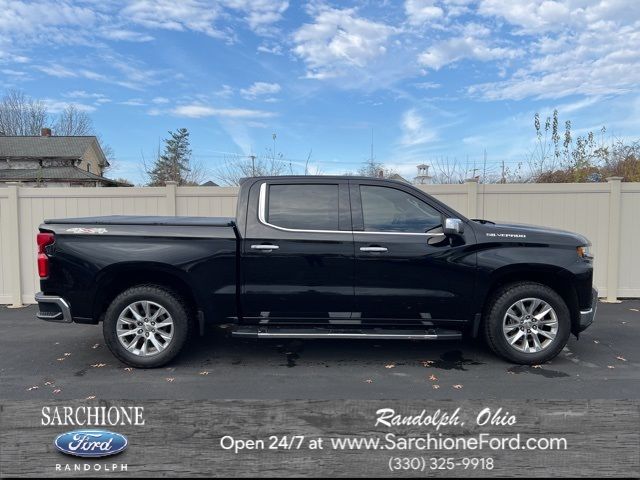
{"x":318,"y":257}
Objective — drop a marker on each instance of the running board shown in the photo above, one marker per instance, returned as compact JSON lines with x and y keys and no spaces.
{"x":373,"y":333}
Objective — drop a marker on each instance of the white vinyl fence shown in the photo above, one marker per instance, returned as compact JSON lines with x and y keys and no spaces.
{"x":606,"y":213}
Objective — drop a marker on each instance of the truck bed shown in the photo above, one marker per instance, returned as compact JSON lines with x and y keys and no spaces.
{"x":146,"y":220}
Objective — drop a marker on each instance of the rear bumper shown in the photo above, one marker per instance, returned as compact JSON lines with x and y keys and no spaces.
{"x":587,"y":316}
{"x":53,"y":309}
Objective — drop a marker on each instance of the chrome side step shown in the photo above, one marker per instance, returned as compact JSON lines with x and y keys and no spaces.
{"x":373,"y":333}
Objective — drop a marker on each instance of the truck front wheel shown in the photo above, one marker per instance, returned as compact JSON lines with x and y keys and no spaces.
{"x":527,"y":323}
{"x":146,"y":326}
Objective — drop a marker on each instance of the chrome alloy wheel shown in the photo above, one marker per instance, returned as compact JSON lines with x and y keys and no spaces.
{"x":530,"y":325}
{"x":145,"y":328}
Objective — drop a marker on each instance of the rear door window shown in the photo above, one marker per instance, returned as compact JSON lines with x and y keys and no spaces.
{"x":304,"y":206}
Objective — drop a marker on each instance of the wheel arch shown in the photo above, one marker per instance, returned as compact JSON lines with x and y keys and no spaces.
{"x":119,"y":277}
{"x":557,"y":278}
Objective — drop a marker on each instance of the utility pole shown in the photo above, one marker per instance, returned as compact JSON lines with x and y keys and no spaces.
{"x":484,"y":168}
{"x":274,"y":136}
{"x":253,"y":165}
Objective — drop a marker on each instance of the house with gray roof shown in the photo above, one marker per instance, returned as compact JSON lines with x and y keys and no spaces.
{"x":53,"y":161}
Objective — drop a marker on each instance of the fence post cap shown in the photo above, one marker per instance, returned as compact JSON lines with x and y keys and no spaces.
{"x":471,"y":180}
{"x":614,"y":179}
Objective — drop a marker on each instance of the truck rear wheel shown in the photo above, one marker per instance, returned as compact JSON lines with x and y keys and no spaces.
{"x":146,"y":326}
{"x":527,"y":323}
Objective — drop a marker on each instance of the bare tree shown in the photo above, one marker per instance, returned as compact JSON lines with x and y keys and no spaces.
{"x":197,"y":173}
{"x":21,"y":115}
{"x":373,"y":168}
{"x":75,"y":122}
{"x":271,"y":163}
{"x":72,"y":121}
{"x":236,"y":167}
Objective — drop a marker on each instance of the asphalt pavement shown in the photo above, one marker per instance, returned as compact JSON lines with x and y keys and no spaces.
{"x":41,"y":360}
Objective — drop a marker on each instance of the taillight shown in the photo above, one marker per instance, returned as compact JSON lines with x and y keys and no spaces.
{"x":43,"y":240}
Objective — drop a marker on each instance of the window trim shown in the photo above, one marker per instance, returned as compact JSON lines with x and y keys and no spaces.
{"x":262,"y":218}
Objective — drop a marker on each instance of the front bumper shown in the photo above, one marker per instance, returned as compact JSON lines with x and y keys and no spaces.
{"x":587,"y":316}
{"x":53,"y":309}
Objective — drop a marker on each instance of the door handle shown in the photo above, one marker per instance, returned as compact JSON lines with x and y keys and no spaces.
{"x":373,"y":249}
{"x":265,"y":247}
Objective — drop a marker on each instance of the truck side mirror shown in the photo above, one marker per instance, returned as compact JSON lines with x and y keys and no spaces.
{"x":453,"y":226}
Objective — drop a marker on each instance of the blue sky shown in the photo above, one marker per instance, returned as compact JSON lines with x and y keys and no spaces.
{"x":429,"y":79}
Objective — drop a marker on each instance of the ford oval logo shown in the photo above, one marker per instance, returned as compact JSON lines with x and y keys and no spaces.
{"x":90,"y":443}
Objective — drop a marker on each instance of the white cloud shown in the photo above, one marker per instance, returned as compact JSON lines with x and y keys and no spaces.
{"x":57,"y":106}
{"x":414,"y":130}
{"x":97,"y":98}
{"x":421,"y":11}
{"x":427,"y":85}
{"x":528,"y":15}
{"x":122,"y":34}
{"x":200,"y":111}
{"x":259,"y":89}
{"x":455,"y":49}
{"x":260,"y":15}
{"x":339,"y":41}
{"x":272,"y":48}
{"x":56,"y":70}
{"x":13,"y":73}
{"x":160,"y":100}
{"x":206,"y":16}
{"x":594,"y":51}
{"x":134,"y":102}
{"x":196,"y":15}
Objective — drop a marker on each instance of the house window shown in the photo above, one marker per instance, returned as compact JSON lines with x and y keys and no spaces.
{"x":88,"y":167}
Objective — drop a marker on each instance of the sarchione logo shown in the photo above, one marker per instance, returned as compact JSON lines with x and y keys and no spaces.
{"x":90,"y":443}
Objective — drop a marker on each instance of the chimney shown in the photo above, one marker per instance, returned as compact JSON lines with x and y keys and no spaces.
{"x":45,"y":132}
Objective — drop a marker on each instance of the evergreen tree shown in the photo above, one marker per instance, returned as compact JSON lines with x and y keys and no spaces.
{"x":173,"y":163}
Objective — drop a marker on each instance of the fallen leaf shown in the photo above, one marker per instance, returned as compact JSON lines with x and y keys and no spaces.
{"x":436,"y":386}
{"x":169,"y":379}
{"x":91,"y":397}
{"x":433,"y":378}
{"x":204,"y":373}
{"x":621,"y":358}
{"x":536,"y":366}
{"x":57,"y":390}
{"x":48,"y":384}
{"x":596,"y":341}
{"x":610,"y":366}
{"x":624,"y":323}
{"x":99,"y":365}
{"x":128,"y":369}
{"x":96,"y":346}
{"x":35,"y":387}
{"x":634,"y":310}
{"x":61,"y":359}
{"x":427,"y":363}
{"x":368,"y":380}
{"x":457,"y":387}
{"x":67,"y":354}
{"x":391,"y":365}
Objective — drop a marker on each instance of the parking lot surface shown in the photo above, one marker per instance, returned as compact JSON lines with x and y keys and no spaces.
{"x":41,"y":360}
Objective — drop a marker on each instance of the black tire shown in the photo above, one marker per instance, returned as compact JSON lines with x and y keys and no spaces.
{"x":497,"y":309}
{"x":168,"y":299}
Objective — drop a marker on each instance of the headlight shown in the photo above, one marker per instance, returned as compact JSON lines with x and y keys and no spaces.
{"x":584,"y":251}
